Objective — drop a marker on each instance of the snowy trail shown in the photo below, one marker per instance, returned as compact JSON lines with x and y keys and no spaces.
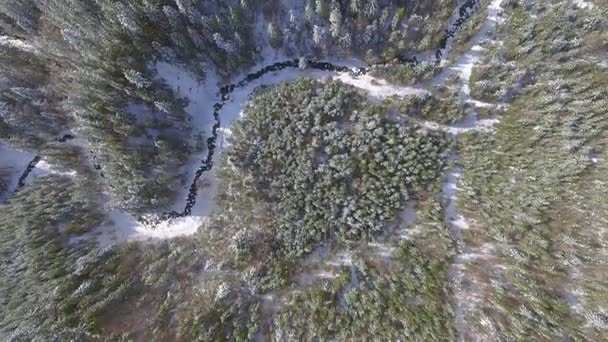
{"x":463,"y":66}
{"x":466,"y":296}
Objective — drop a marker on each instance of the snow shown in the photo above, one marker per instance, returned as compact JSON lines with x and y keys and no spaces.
{"x":408,"y":214}
{"x":449,"y":190}
{"x":584,"y":4}
{"x":469,"y":124}
{"x":17,"y":43}
{"x":455,"y":221}
{"x":464,"y":64}
{"x":43,"y":168}
{"x":15,"y":162}
{"x":123,"y":227}
{"x":202,"y":95}
{"x":377,"y":88}
{"x":463,"y":67}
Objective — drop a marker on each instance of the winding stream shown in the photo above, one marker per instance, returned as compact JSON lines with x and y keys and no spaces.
{"x":465,"y":11}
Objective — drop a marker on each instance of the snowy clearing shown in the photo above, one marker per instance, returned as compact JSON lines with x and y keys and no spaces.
{"x":123,"y":227}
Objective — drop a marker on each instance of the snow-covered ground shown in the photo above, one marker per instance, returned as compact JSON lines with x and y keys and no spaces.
{"x":584,"y":4}
{"x":44,"y":168}
{"x":464,"y":64}
{"x":377,"y":88}
{"x":449,"y":190}
{"x":123,"y":227}
{"x":465,"y":298}
{"x":12,"y":164}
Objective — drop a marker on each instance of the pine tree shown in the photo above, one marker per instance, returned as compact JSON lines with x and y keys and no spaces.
{"x":335,"y":20}
{"x":321,"y":8}
{"x":318,"y":36}
{"x":274,"y":34}
{"x":309,"y":11}
{"x":24,"y":14}
{"x":355,"y":6}
{"x":371,"y":8}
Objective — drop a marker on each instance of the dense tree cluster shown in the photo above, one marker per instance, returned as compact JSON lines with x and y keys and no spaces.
{"x":310,"y":166}
{"x":326,"y":163}
{"x":401,"y":297}
{"x":498,"y":80}
{"x":107,"y":56}
{"x":532,"y":191}
{"x":83,"y":292}
{"x":378,"y":30}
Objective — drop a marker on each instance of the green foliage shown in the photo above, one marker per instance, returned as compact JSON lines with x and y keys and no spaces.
{"x":405,"y":298}
{"x":325,"y":164}
{"x":532,"y":189}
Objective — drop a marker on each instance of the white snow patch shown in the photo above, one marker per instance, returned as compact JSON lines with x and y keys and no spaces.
{"x":408,"y":215}
{"x":124,"y":227}
{"x":342,"y":258}
{"x":201,"y":95}
{"x":44,"y":168}
{"x":469,"y":124}
{"x":584,"y":4}
{"x":17,"y":43}
{"x":449,"y":190}
{"x":378,"y":88}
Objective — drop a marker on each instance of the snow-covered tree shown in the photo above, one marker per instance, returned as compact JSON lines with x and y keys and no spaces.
{"x":309,"y":11}
{"x":355,"y":6}
{"x":371,"y":8}
{"x":137,"y":78}
{"x":274,"y":34}
{"x":335,"y":20}
{"x":318,"y":36}
{"x":322,"y":8}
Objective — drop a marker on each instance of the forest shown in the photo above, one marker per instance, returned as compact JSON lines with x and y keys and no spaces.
{"x":429,"y":170}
